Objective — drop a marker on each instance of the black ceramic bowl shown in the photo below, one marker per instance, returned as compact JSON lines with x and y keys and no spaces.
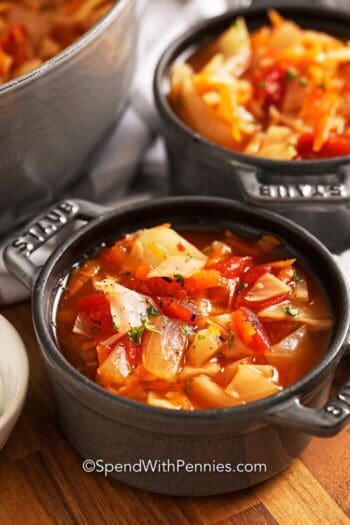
{"x":99,"y":425}
{"x":315,"y":193}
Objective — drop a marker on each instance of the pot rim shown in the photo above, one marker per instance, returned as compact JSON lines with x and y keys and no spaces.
{"x":312,"y":379}
{"x":68,"y":52}
{"x":190,"y":37}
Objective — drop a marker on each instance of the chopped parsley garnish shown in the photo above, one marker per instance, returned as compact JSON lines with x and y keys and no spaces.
{"x":152,"y":311}
{"x":201,"y":337}
{"x":242,"y":286}
{"x":290,"y":310}
{"x":116,"y":328}
{"x":187,"y":330}
{"x":179,"y":278}
{"x":150,"y":327}
{"x":290,"y":75}
{"x":297,"y":278}
{"x":135,"y":334}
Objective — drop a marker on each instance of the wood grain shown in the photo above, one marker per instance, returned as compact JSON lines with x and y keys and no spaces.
{"x":42,"y":482}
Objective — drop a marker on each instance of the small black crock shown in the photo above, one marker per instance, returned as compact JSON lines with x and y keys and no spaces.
{"x":103,"y":426}
{"x":315,"y":194}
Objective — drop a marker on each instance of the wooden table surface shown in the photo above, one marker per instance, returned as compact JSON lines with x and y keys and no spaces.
{"x":41,"y":480}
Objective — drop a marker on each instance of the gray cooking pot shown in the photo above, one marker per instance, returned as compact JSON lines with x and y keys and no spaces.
{"x":53,"y":117}
{"x":103,"y":426}
{"x":315,"y":194}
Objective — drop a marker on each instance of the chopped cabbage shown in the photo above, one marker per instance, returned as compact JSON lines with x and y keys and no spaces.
{"x":163,"y":349}
{"x":267,"y":287}
{"x":155,"y":245}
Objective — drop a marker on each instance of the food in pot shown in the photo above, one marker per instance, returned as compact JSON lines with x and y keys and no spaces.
{"x":193,"y":320}
{"x":280,"y":92}
{"x":33,"y":31}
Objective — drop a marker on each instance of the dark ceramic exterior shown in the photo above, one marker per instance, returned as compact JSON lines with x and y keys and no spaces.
{"x":315,"y":194}
{"x":54,"y":117}
{"x":100,"y":425}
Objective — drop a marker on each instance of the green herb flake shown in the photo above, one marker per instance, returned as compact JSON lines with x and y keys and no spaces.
{"x":152,"y":311}
{"x":135,"y":334}
{"x":290,"y":75}
{"x":290,"y":310}
{"x":187,"y":330}
{"x":231,"y":339}
{"x":179,"y":278}
{"x":262,"y":84}
{"x":297,"y":278}
{"x":201,"y":337}
{"x":116,"y":328}
{"x":150,"y":327}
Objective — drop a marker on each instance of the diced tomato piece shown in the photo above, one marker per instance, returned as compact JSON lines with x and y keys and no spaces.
{"x":270,"y":84}
{"x":250,"y":330}
{"x":255,"y":272}
{"x":203,"y":280}
{"x":175,"y":309}
{"x":156,"y":286}
{"x":305,"y":144}
{"x":335,"y":146}
{"x":97,"y":310}
{"x":233,"y":267}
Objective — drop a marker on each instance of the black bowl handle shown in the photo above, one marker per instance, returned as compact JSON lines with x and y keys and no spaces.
{"x":314,"y":193}
{"x":18,"y":252}
{"x":325,"y":422}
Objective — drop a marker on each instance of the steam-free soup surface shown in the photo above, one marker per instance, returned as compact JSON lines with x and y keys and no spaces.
{"x":193,"y":320}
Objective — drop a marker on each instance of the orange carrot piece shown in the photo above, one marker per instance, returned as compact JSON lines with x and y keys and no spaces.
{"x":203,"y":279}
{"x":142,"y":271}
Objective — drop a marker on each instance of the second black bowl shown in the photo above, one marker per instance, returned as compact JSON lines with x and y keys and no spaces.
{"x":315,"y":193}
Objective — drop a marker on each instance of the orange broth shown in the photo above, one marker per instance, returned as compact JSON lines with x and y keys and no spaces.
{"x":202,"y":374}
